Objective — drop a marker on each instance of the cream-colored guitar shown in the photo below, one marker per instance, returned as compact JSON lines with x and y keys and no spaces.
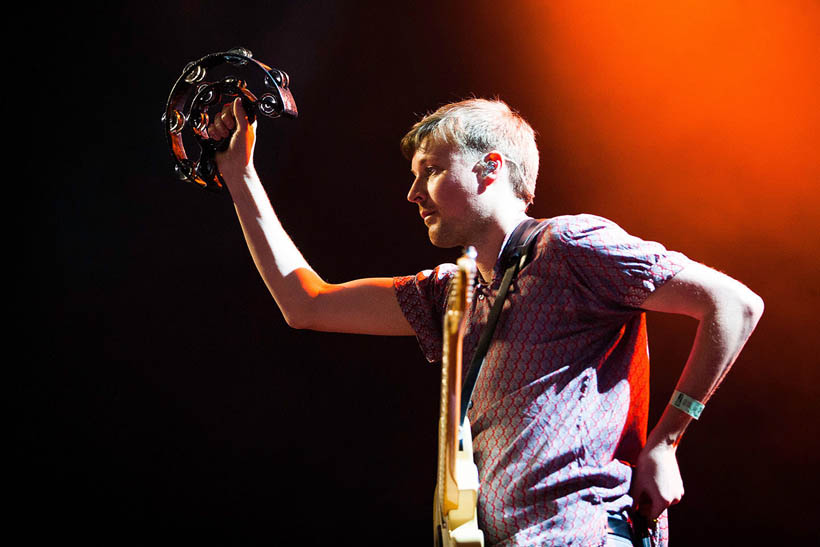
{"x":455,"y":521}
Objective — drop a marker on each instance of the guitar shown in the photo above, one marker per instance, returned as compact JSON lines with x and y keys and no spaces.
{"x":455,"y":521}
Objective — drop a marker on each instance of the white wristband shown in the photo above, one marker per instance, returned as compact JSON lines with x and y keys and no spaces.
{"x":685,"y":403}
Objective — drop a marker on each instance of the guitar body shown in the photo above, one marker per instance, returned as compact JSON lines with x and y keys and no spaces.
{"x":459,"y":526}
{"x":455,"y":520}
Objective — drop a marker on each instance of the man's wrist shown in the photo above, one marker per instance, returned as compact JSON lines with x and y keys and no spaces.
{"x":663,"y":439}
{"x":686,"y":404}
{"x":669,"y":429}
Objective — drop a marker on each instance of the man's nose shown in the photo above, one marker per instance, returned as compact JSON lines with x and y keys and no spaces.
{"x":416,"y":193}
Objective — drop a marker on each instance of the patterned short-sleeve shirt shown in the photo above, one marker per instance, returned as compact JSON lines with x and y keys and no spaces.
{"x":560,"y":407}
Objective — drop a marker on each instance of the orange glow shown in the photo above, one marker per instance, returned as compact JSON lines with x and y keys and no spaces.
{"x":709,"y":107}
{"x":696,"y":124}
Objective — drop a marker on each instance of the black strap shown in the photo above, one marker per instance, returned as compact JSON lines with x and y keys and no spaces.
{"x":514,"y":257}
{"x":630,"y":525}
{"x":619,"y":526}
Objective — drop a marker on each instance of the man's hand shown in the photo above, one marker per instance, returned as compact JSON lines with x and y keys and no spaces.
{"x":232,"y":122}
{"x":656,"y":482}
{"x":727,"y":312}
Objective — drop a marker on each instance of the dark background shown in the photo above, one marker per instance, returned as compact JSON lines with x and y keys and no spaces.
{"x":167,"y":400}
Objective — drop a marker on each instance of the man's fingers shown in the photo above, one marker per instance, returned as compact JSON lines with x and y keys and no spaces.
{"x":651,"y":508}
{"x":677,"y":499}
{"x":227,"y":118}
{"x":217,"y":130}
{"x":232,"y":125}
{"x":223,"y":123}
{"x":239,"y":114}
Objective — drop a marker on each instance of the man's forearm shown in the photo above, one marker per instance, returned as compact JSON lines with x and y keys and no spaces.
{"x":286,"y":273}
{"x":365,"y":306}
{"x":722,"y":332}
{"x":727,"y":312}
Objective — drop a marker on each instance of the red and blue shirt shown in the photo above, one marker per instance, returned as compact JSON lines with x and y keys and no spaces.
{"x":560,"y":407}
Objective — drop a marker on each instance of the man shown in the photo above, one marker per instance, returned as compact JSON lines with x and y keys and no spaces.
{"x":560,"y":407}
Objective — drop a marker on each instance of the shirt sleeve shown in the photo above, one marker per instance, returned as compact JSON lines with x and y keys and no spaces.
{"x":422,"y":298}
{"x":617,"y":268}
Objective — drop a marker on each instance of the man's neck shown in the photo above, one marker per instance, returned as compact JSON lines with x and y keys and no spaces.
{"x":490,"y":247}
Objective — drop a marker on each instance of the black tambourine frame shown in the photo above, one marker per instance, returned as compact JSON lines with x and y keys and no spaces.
{"x":195,"y":99}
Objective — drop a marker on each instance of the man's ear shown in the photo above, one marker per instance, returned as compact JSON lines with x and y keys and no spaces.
{"x":490,"y":167}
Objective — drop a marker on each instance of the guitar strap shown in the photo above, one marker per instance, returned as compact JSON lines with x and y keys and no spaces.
{"x":516,"y":255}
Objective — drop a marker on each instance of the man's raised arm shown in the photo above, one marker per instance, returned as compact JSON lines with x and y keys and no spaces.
{"x":364,"y":306}
{"x":727,"y":312}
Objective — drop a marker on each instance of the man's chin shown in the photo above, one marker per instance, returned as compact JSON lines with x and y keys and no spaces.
{"x":440,"y":238}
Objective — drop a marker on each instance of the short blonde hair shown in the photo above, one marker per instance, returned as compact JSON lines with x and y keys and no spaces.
{"x":478,"y":126}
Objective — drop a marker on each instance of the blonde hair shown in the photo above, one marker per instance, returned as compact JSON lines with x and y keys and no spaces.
{"x":478,"y":126}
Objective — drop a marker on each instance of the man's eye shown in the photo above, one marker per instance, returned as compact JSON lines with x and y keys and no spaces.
{"x":430,"y":171}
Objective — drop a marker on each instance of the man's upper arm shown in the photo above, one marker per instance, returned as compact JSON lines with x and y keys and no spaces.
{"x":363,"y":306}
{"x":698,"y":291}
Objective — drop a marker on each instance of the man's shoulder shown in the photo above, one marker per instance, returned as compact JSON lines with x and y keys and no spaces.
{"x":569,"y":222}
{"x":571,"y":228}
{"x":433,"y":277}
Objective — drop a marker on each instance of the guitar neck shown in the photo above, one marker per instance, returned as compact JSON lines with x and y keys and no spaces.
{"x":450,"y":406}
{"x":455,"y":320}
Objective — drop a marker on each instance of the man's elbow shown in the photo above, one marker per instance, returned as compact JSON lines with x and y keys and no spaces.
{"x":747,"y":306}
{"x":304,"y":317}
{"x":301,"y":299}
{"x":299,"y":314}
{"x":753,"y":307}
{"x":733,"y":305}
{"x":297,"y":321}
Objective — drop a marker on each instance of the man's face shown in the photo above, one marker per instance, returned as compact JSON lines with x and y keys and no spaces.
{"x":445,"y":189}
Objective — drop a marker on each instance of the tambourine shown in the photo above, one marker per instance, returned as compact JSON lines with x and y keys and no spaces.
{"x":204,"y":87}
